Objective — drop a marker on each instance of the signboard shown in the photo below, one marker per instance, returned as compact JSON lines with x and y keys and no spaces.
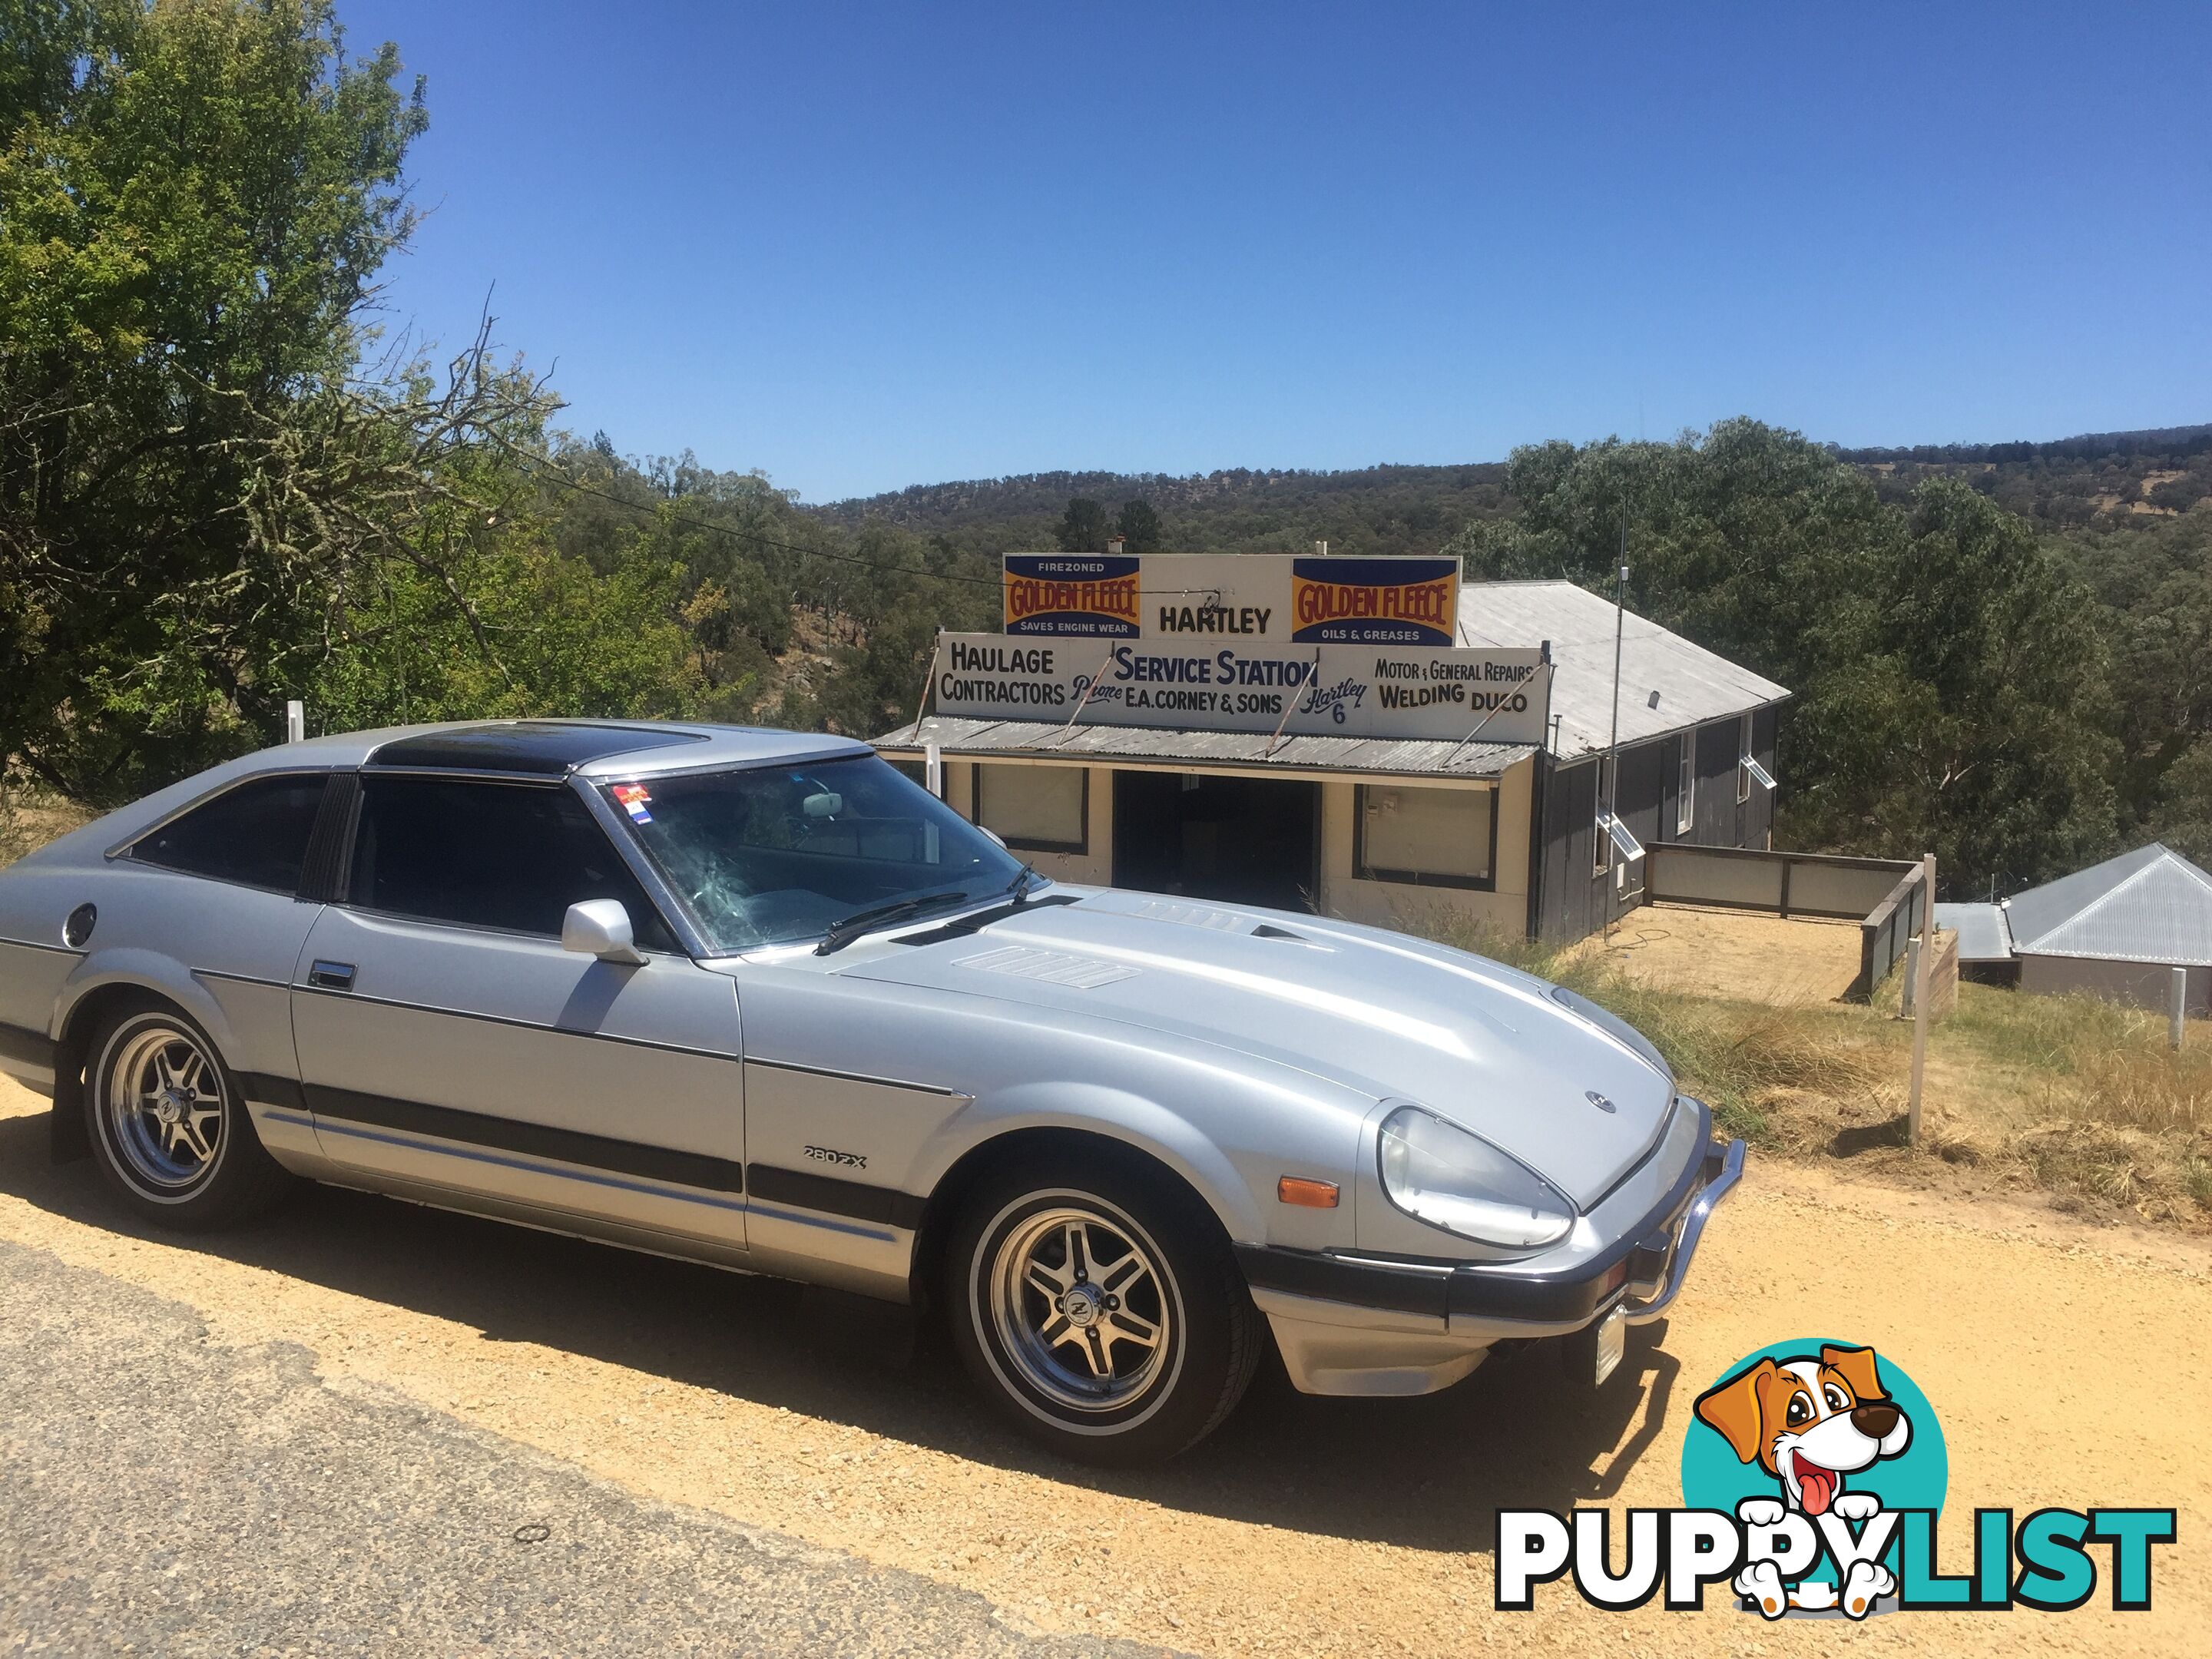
{"x":1264,"y":599}
{"x":1093,"y":593}
{"x":1331,"y":690}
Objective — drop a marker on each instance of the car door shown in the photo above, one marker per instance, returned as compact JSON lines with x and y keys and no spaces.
{"x":447,"y":1042}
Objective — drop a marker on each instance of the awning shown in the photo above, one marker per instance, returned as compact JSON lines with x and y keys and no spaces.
{"x":1250,"y":751}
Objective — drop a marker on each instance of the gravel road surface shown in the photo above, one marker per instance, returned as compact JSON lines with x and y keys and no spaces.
{"x":168,"y":1494}
{"x":675,"y":1427}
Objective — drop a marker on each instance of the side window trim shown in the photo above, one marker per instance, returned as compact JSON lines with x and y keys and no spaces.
{"x":342,"y":890}
{"x":128,"y":847}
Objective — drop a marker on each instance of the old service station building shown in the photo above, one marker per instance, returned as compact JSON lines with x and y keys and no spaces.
{"x":1364,"y":738}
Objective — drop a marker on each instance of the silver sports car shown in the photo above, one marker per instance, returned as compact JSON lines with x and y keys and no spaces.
{"x":756,"y":998}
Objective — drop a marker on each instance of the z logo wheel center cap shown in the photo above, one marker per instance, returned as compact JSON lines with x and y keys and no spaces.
{"x":1080,"y":1306}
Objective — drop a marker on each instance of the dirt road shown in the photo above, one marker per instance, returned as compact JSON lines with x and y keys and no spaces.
{"x":2069,"y":1367}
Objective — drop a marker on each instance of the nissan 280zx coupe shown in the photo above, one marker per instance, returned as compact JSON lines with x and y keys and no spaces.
{"x":756,"y":999}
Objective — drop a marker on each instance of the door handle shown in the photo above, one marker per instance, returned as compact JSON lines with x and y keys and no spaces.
{"x":331,"y":976}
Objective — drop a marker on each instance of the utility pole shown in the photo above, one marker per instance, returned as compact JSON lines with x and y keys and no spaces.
{"x":1918,"y":967}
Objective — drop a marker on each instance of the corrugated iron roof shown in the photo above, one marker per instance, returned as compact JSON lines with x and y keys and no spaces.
{"x":1983,"y":935}
{"x":2150,"y":905}
{"x":1139,"y":744}
{"x":1694,"y":685}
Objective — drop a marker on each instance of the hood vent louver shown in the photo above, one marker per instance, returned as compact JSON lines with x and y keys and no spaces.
{"x":1053,"y":966}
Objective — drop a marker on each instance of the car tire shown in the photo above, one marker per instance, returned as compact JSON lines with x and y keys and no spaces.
{"x":169,"y":1126}
{"x":1100,"y":1308}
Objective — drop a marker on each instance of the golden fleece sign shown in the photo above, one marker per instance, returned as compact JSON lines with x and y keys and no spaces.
{"x":1257,"y":599}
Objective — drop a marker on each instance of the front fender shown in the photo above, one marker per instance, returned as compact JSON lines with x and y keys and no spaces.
{"x":1093,"y":1109}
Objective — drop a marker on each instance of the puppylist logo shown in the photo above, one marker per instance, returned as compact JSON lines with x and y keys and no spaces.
{"x":1813,"y":1475}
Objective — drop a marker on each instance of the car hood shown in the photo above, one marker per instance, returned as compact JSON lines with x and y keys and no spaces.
{"x":1489,"y":1048}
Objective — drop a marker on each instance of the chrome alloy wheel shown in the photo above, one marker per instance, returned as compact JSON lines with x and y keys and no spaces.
{"x":162,"y":1095}
{"x":1082,"y":1308}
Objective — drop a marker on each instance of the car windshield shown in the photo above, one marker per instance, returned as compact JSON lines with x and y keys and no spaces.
{"x":777,"y":854}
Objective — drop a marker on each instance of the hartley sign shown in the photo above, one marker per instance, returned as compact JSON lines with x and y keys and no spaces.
{"x":1229,"y":685}
{"x":1261,"y":598}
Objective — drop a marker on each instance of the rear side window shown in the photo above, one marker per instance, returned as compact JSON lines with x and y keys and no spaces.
{"x":256,"y":834}
{"x":507,"y":856}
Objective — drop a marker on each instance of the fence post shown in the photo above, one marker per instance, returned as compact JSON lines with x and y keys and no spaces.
{"x":1919,"y":965}
{"x":2177,"y":1005}
{"x":295,"y":721}
{"x":1912,"y":989}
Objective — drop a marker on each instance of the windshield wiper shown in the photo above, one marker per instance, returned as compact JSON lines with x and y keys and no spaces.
{"x":1019,"y":886}
{"x":843,"y":932}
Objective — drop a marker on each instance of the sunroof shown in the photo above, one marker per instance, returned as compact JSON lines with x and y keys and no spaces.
{"x":539,"y":748}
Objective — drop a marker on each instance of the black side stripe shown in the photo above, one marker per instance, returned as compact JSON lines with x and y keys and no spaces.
{"x":508,"y":1134}
{"x":832,"y":1196}
{"x":20,"y":1043}
{"x":273,"y":1090}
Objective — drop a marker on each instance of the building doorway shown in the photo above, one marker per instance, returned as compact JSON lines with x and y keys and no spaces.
{"x":1241,"y":841}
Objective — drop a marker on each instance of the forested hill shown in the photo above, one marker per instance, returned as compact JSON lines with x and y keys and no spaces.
{"x":2097,"y":480}
{"x":1375,"y":509}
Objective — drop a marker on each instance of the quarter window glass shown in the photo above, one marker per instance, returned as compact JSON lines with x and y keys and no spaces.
{"x":1033,"y":807}
{"x":509,"y":856}
{"x":1436,"y":836}
{"x":256,"y":834}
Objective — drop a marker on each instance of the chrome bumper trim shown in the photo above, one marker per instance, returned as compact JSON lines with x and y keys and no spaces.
{"x":1693,"y":1228}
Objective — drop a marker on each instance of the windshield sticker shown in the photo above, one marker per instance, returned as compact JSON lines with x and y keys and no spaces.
{"x":633,"y":801}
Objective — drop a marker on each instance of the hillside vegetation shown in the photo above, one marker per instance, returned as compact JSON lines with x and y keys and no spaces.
{"x":222,"y":486}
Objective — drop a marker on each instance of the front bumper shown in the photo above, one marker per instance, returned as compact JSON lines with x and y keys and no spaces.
{"x":1350,"y":1324}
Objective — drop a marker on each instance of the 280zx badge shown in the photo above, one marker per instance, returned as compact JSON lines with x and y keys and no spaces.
{"x":831,"y":1155}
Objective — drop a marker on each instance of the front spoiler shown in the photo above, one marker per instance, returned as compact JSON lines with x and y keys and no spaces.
{"x":1359,"y":1326}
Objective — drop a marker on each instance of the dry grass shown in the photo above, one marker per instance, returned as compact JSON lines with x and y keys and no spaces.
{"x":2071,"y":1097}
{"x":29,"y":819}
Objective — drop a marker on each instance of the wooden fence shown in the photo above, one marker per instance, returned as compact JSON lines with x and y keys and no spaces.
{"x":1882,"y":896}
{"x":1788,"y":884}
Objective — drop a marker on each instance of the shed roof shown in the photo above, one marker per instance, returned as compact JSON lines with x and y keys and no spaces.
{"x":1138,"y":744}
{"x":1983,"y":934}
{"x":1694,"y":684}
{"x":2150,"y":905}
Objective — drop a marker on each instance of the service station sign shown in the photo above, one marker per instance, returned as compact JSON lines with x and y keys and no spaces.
{"x":1258,"y":599}
{"x":1230,"y":685}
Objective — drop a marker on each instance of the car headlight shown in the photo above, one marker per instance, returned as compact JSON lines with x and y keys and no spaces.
{"x":1438,"y":1173}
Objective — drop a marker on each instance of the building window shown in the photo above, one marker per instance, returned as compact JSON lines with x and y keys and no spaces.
{"x":1685,"y":785}
{"x":1427,"y":837}
{"x":1038,"y":809}
{"x":1601,"y":851}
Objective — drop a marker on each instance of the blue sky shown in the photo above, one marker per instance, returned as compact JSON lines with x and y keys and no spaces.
{"x":861,"y":246}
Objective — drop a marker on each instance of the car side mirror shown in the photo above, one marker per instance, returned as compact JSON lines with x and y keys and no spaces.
{"x":600,"y":927}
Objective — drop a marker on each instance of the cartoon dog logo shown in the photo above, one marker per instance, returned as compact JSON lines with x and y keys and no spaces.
{"x":1810,"y":1422}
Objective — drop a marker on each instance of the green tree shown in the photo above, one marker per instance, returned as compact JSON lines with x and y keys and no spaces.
{"x":2183,"y":819}
{"x":1947,"y":669}
{"x":1083,"y":528}
{"x":198,"y":197}
{"x":209,"y":501}
{"x":1139,"y":526}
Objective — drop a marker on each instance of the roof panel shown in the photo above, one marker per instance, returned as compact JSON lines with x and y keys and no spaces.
{"x":2150,"y":905}
{"x":536,"y":748}
{"x":1983,"y":935}
{"x":1694,"y":685}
